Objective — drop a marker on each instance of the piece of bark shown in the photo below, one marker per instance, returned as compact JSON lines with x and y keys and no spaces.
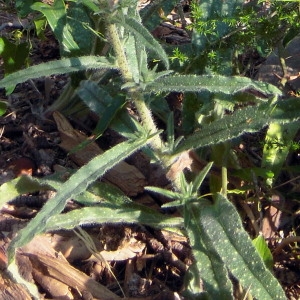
{"x":46,"y":261}
{"x":52,"y":286}
{"x":70,"y":276}
{"x":41,"y":245}
{"x":127,"y":177}
{"x":10,"y":290}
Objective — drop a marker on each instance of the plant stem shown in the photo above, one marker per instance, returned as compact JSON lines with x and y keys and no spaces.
{"x":114,"y":39}
{"x":136,"y":95}
{"x":224,"y":181}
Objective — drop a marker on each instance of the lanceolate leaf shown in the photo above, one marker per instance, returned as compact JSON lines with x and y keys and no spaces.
{"x":222,"y":225}
{"x":227,"y":128}
{"x":146,"y":38}
{"x":66,"y":65}
{"x":209,"y":264}
{"x":132,"y":49}
{"x":76,"y":184}
{"x":212,"y":83}
{"x":127,"y":213}
{"x":200,"y":177}
{"x":249,"y":119}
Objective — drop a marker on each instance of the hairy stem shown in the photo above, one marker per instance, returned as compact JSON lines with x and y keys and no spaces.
{"x":136,"y":95}
{"x":114,"y":39}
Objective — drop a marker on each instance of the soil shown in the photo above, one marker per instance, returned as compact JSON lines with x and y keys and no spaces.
{"x":134,"y":260}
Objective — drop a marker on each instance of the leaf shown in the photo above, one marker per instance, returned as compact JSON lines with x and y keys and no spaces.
{"x":212,"y":83}
{"x":133,"y":51}
{"x":90,"y":4}
{"x":210,"y":266}
{"x":129,"y":213}
{"x":249,"y":119}
{"x":200,"y":177}
{"x":163,"y":192}
{"x":107,"y":193}
{"x":145,"y":38}
{"x":222,"y":225}
{"x":125,"y":124}
{"x":76,"y":184}
{"x":226,"y":128}
{"x":13,"y":269}
{"x":62,"y":66}
{"x":40,"y":26}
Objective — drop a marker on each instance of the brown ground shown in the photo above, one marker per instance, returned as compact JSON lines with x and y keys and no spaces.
{"x":147,"y":263}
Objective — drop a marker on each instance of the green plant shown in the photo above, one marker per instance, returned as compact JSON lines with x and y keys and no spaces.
{"x":243,"y":27}
{"x":220,"y":245}
{"x":221,"y":36}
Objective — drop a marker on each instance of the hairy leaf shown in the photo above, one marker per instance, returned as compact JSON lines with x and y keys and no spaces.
{"x":76,"y":184}
{"x":212,"y":83}
{"x":78,"y":21}
{"x":63,"y":66}
{"x":249,"y":119}
{"x":133,"y":49}
{"x":146,"y":38}
{"x":91,"y":4}
{"x":210,"y":265}
{"x":127,"y":213}
{"x":222,"y":225}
